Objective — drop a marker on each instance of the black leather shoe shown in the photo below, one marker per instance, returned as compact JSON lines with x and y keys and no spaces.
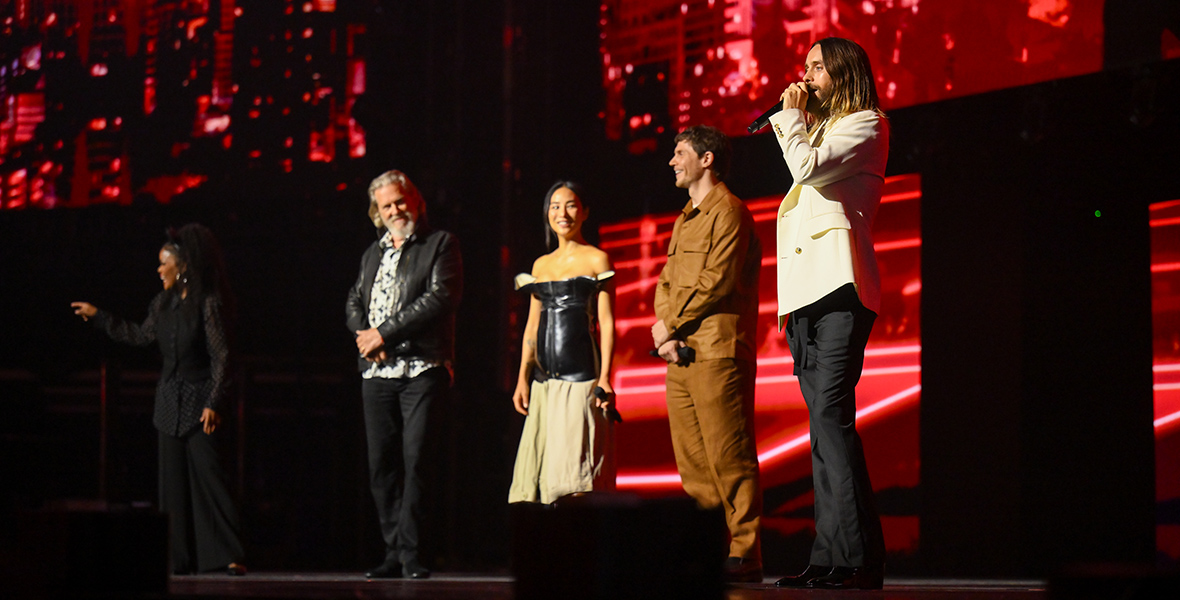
{"x":850,"y":578}
{"x":741,"y":570}
{"x":803,"y":579}
{"x":414,"y":570}
{"x":387,"y":570}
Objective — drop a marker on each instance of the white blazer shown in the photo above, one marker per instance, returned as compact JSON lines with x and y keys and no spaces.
{"x":824,"y":225}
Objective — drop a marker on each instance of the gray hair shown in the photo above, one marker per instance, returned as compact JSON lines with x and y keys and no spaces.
{"x":409,"y":190}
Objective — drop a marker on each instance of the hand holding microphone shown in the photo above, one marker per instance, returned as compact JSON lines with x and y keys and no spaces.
{"x":612,"y":413}
{"x":795,"y":96}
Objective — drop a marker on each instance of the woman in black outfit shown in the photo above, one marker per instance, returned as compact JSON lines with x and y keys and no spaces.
{"x":187,"y":319}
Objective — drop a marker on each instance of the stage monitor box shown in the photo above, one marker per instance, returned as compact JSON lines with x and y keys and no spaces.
{"x":90,"y":550}
{"x":617,"y":546}
{"x":1122,"y":581}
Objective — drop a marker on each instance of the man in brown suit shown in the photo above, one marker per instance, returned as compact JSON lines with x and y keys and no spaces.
{"x":707,"y":309}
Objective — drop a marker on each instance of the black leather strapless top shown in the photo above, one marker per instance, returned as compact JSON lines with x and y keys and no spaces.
{"x":567,"y":346}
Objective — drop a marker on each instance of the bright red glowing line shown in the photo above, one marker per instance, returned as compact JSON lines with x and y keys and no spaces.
{"x":779,"y":452}
{"x":760,"y":205}
{"x":1164,"y":420}
{"x":1165,"y":267}
{"x":634,"y":286}
{"x":769,"y":204}
{"x":900,"y":196}
{"x":1165,"y":222}
{"x":639,"y":262}
{"x":1166,"y":368}
{"x":1163,"y":205}
{"x":897,"y":244}
{"x":635,"y":240}
{"x":633,"y":224}
{"x":623,"y":390}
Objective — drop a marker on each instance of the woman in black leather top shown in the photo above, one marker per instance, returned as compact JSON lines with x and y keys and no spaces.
{"x":567,"y":445}
{"x":187,"y":320}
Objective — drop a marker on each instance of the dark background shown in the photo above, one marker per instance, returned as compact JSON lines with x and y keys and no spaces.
{"x":1036,"y":408}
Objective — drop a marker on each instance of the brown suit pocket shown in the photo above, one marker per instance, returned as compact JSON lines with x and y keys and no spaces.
{"x":690,"y":257}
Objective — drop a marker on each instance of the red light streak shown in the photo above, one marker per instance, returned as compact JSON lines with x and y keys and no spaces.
{"x":898,"y":244}
{"x":782,"y":451}
{"x":783,"y":363}
{"x":635,"y":224}
{"x":1166,"y":420}
{"x":627,"y":288}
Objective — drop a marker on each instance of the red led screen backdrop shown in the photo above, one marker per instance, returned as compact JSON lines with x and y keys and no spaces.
{"x":887,"y":397}
{"x":1165,"y":312}
{"x":670,"y":63}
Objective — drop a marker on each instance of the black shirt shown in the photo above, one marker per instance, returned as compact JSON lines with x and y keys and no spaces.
{"x":192,"y":340}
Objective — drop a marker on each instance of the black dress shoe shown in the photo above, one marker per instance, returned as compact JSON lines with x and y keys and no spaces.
{"x":850,"y":578}
{"x":414,"y":570}
{"x":806,"y":577}
{"x":387,"y":570}
{"x":741,"y":570}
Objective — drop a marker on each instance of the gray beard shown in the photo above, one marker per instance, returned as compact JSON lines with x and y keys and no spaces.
{"x":403,"y":232}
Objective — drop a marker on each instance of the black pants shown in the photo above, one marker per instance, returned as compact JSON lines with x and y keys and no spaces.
{"x":201,"y":512}
{"x":827,"y":340}
{"x":397,"y":418}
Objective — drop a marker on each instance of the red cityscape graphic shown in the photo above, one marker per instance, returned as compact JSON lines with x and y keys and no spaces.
{"x":671,"y":63}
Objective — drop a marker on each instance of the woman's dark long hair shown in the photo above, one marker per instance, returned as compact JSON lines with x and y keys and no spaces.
{"x":550,"y":237}
{"x":199,"y":255}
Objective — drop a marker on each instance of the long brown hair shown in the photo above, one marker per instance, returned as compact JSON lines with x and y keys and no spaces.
{"x":853,"y":86}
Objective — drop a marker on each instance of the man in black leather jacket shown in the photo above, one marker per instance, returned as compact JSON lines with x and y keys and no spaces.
{"x":402,"y":311}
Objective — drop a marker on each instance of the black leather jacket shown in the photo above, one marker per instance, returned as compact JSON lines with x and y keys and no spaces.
{"x":430,"y":283}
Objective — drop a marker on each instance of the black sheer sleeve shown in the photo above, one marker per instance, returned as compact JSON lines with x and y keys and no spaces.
{"x":217,"y":344}
{"x":126,"y":332}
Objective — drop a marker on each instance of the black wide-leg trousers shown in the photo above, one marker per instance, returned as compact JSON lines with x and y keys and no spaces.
{"x":397,"y":415}
{"x":827,"y":340}
{"x":201,"y":511}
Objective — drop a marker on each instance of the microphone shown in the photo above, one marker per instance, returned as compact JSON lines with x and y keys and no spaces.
{"x":685,"y":353}
{"x":764,"y":120}
{"x":612,"y":413}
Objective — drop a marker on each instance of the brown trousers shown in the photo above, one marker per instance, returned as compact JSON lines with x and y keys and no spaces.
{"x":711,"y":414}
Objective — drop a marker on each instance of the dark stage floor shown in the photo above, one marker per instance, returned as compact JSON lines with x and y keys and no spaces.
{"x":458,"y":586}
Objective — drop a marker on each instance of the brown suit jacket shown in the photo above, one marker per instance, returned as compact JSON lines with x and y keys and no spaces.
{"x":708,"y":291}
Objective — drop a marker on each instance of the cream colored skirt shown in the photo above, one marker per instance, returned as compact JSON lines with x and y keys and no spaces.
{"x":567,"y":445}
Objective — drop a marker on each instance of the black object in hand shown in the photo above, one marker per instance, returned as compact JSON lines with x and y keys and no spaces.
{"x":612,"y":413}
{"x":685,"y":353}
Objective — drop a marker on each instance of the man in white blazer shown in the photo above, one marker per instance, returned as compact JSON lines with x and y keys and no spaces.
{"x":835,"y":142}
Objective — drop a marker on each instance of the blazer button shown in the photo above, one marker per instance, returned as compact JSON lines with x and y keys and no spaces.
{"x":798,"y":251}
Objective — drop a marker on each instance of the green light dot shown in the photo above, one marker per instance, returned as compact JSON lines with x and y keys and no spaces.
{"x":1097,"y":213}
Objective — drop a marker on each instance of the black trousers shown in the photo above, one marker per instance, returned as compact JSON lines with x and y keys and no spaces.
{"x":202,"y":514}
{"x":397,"y":421}
{"x":827,"y":340}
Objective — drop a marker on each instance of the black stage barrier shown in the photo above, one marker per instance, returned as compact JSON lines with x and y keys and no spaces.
{"x":606,"y":545}
{"x":89,"y":552}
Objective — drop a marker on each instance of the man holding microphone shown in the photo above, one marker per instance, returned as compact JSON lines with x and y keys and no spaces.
{"x":835,"y":141}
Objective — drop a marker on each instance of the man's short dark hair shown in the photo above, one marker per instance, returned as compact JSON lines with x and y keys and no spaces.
{"x":704,"y":138}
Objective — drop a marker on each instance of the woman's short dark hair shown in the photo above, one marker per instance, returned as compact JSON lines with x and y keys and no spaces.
{"x":704,"y":138}
{"x":573,"y":187}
